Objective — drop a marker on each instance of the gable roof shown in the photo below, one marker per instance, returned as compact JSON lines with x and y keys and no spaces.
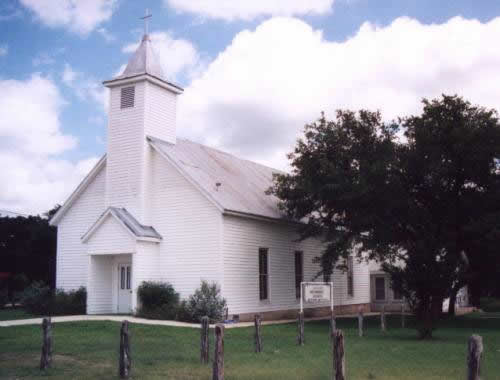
{"x":242,"y":183}
{"x":136,"y":229}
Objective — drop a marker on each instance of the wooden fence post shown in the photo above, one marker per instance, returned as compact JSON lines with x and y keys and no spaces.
{"x":46,"y":358}
{"x":360,"y":322}
{"x":333,"y":325}
{"x":338,"y":356}
{"x":403,"y":315}
{"x":218,"y":369}
{"x":258,"y":337}
{"x":300,"y":328}
{"x":125,"y":359}
{"x":474,"y":353}
{"x":382,"y":319}
{"x":204,"y":340}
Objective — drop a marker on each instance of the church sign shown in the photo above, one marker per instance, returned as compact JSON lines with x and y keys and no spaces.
{"x":316,"y":292}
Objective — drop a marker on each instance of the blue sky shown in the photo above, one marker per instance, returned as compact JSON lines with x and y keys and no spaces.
{"x":253,"y":73}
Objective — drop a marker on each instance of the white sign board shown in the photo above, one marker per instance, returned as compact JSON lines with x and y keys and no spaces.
{"x":316,"y":292}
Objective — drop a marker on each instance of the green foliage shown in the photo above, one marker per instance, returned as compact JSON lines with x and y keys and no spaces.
{"x":159,"y":300}
{"x":4,"y":298}
{"x":490,"y":304}
{"x":206,"y":301}
{"x":39,"y":299}
{"x":415,"y":206}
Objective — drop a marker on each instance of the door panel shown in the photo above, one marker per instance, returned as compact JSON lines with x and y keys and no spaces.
{"x":124,"y":288}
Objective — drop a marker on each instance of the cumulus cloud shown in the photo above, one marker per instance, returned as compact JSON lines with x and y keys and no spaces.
{"x":79,"y":16}
{"x":34,"y":177}
{"x":247,"y":10}
{"x":177,"y":56}
{"x":85,"y":87}
{"x":4,"y":50}
{"x":256,"y":96}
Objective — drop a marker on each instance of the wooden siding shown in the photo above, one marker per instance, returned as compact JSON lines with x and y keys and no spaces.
{"x":242,"y":239}
{"x":191,"y":228}
{"x":111,"y":238}
{"x":100,"y":289}
{"x":72,"y":259}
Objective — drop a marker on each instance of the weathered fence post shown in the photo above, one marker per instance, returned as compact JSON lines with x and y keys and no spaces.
{"x":403,"y":315}
{"x":218,"y":372}
{"x":46,"y":358}
{"x":258,"y":337}
{"x":125,"y":359}
{"x":338,"y":356}
{"x":333,"y":324}
{"x":360,"y":322}
{"x":204,"y":340}
{"x":300,"y":329}
{"x":382,"y":319}
{"x":474,"y":353}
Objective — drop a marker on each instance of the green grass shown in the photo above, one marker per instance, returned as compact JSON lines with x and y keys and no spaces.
{"x":89,"y":350}
{"x":9,"y":313}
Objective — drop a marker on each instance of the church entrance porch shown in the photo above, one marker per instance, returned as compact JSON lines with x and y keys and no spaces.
{"x":110,"y":285}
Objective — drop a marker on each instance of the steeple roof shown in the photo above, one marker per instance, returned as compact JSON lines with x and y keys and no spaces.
{"x":144,"y":61}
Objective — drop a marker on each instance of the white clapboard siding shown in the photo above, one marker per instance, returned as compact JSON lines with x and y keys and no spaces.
{"x":72,"y":258}
{"x":242,"y":239}
{"x":125,"y":151}
{"x":111,"y":238}
{"x":100,"y":290}
{"x":191,"y":228}
{"x":160,"y":113}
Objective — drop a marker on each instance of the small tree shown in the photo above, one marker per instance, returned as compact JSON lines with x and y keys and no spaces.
{"x":206,"y":301}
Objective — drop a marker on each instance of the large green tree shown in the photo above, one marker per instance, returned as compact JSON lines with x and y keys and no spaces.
{"x":416,"y":195}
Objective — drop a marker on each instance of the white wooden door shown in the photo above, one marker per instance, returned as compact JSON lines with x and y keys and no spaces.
{"x":124,"y":288}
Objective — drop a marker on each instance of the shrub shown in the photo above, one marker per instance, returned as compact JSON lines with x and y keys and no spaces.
{"x":159,"y":300}
{"x":39,"y":299}
{"x":4,"y":298}
{"x":73,"y":302}
{"x":206,"y":301}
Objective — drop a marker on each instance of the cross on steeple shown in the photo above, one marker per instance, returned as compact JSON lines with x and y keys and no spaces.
{"x":146,"y":18}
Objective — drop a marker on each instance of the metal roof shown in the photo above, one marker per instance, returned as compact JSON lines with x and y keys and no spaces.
{"x":144,"y":61}
{"x":236,"y":185}
{"x":137,"y":229}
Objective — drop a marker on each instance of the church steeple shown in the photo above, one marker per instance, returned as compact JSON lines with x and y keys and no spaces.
{"x":142,"y":103}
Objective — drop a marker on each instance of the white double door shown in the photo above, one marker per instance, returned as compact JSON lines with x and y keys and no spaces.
{"x":124,"y":302}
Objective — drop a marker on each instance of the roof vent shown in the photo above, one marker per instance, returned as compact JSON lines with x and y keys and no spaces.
{"x":127,"y":97}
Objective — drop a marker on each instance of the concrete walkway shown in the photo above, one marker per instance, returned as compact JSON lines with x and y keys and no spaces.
{"x":131,"y":319}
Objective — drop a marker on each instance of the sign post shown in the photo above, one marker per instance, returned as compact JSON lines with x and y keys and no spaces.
{"x":316,"y":292}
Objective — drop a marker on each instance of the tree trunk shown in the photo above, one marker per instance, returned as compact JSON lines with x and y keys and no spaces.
{"x":300,"y":328}
{"x":474,"y":353}
{"x":46,"y":358}
{"x":453,"y":301}
{"x":218,"y":369}
{"x":338,"y":356}
{"x":258,"y":338}
{"x":125,"y":359}
{"x":204,"y":340}
{"x":382,"y":320}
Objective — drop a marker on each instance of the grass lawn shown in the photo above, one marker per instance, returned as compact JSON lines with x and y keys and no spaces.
{"x":89,"y":350}
{"x":10,"y":313}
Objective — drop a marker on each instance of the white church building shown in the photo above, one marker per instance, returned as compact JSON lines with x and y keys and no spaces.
{"x":160,"y":208}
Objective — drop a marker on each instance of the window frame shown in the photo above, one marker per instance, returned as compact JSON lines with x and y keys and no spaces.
{"x":263,"y":277}
{"x":383,"y":278}
{"x":350,"y":276}
{"x":299,"y":277}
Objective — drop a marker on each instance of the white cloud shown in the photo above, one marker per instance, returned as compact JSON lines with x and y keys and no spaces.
{"x":34,"y":177}
{"x":250,"y":9}
{"x":47,"y":58}
{"x":85,"y":87}
{"x":4,"y":50}
{"x":177,"y":56}
{"x":256,"y":96}
{"x":79,"y":16}
{"x":108,"y":37}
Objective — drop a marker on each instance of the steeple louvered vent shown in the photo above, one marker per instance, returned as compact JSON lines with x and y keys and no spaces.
{"x":127,"y":97}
